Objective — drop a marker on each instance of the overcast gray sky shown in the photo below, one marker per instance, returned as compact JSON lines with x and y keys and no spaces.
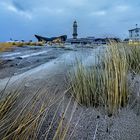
{"x":21,"y":19}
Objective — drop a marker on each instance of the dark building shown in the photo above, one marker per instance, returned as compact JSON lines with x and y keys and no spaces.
{"x":75,"y":30}
{"x":59,"y":39}
{"x":92,"y":40}
{"x":89,"y":40}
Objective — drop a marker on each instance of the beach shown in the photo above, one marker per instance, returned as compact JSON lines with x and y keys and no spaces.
{"x":33,"y":68}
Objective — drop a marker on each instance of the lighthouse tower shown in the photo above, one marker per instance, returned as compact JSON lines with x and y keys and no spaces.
{"x":75,"y":30}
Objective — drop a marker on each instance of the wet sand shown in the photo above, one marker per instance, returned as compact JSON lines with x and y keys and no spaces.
{"x":21,"y":60}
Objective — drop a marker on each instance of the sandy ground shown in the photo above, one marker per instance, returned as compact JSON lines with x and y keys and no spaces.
{"x":49,"y":68}
{"x":23,"y":59}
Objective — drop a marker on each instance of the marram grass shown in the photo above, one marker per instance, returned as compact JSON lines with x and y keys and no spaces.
{"x":22,"y":119}
{"x":133,"y":58}
{"x":6,"y":46}
{"x":105,"y":84}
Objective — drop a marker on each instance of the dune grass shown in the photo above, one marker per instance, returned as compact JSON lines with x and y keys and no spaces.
{"x":5,"y":46}
{"x":106,"y":85}
{"x":133,"y":58}
{"x":9,"y":45}
{"x":24,"y":118}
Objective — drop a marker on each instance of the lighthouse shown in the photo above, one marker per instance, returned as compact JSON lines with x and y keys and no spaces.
{"x":75,"y":30}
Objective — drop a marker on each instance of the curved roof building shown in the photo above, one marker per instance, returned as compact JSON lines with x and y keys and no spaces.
{"x":60,"y":39}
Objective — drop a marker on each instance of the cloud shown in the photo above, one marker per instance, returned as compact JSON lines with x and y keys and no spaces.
{"x":48,"y":11}
{"x":18,"y":5}
{"x":122,"y":8}
{"x":54,"y":17}
{"x":18,"y":11}
{"x":76,"y":3}
{"x":98,"y":13}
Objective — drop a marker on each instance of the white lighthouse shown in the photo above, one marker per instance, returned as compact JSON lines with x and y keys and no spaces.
{"x":75,"y":30}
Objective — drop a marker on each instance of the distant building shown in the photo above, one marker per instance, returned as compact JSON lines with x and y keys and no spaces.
{"x":59,"y":39}
{"x":88,"y":40}
{"x":134,"y":34}
{"x":75,"y":30}
{"x":93,"y":40}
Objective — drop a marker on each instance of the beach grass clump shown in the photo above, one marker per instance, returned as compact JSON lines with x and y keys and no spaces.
{"x":15,"y":125}
{"x":19,"y":44}
{"x":6,"y":104}
{"x":133,"y":58}
{"x":5,"y":46}
{"x":84,"y":85}
{"x":24,"y":118}
{"x":39,"y":44}
{"x":23,"y":122}
{"x":104,"y":84}
{"x":115,"y":75}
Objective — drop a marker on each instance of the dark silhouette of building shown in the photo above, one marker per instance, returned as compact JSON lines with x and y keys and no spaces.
{"x":75,"y":30}
{"x":93,"y":40}
{"x":59,"y":39}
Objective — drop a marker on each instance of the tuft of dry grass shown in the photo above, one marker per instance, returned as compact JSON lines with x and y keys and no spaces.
{"x":105,"y":84}
{"x":6,"y":104}
{"x":9,"y":45}
{"x":133,"y":58}
{"x":115,"y":77}
{"x":5,"y":46}
{"x":25,"y":122}
{"x":23,"y":118}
